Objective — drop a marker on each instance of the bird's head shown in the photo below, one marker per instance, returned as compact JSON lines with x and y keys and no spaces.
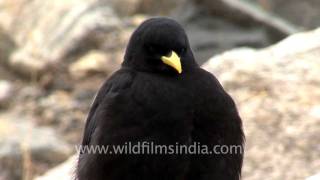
{"x":159,"y":45}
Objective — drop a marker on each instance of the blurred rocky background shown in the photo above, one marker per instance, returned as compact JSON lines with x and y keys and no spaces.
{"x":54,"y":55}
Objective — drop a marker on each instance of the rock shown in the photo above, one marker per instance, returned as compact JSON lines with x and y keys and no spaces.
{"x":247,"y":14}
{"x":207,"y":41}
{"x":24,"y":63}
{"x":136,"y":20}
{"x":314,"y":177}
{"x":277,"y":91}
{"x":45,"y":39}
{"x":292,"y":11}
{"x":29,"y":95}
{"x":64,"y":171}
{"x":131,"y":7}
{"x":65,"y":113}
{"x":162,"y":7}
{"x":94,"y":62}
{"x":125,"y":7}
{"x":7,"y":46}
{"x":26,"y":149}
{"x":6,"y":93}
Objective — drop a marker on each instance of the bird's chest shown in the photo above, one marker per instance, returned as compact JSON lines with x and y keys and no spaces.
{"x":167,"y":107}
{"x":164,"y":95}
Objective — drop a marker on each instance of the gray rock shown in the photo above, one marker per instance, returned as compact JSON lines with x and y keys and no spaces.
{"x":6,"y":93}
{"x":248,"y":14}
{"x":314,"y":177}
{"x":162,"y":7}
{"x":64,"y":171}
{"x":48,"y":38}
{"x":131,"y":7}
{"x":125,"y":7}
{"x":208,"y":40}
{"x":63,"y":111}
{"x":277,"y":92}
{"x":25,"y":148}
{"x":92,"y":63}
{"x":7,"y":46}
{"x":301,"y":13}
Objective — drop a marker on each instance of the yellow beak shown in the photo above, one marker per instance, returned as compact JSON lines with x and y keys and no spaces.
{"x":173,"y":60}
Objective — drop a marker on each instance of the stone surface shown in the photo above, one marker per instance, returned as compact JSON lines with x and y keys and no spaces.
{"x":207,"y":39}
{"x":292,"y":10}
{"x":6,"y":93}
{"x":314,"y":177}
{"x":161,"y":7}
{"x":125,"y":7}
{"x":63,"y":111}
{"x":277,"y":90}
{"x":7,"y":46}
{"x":247,"y":14}
{"x":26,"y":149}
{"x":46,"y":39}
{"x":130,"y":7}
{"x":64,"y":171}
{"x":92,"y":63}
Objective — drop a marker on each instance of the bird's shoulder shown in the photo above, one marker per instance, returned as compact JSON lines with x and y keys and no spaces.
{"x":120,"y":80}
{"x":210,"y":91}
{"x":116,"y":84}
{"x":206,"y":81}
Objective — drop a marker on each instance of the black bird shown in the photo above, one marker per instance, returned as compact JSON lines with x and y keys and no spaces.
{"x":161,"y":96}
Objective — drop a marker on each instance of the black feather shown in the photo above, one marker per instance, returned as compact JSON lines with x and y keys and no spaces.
{"x":148,"y":101}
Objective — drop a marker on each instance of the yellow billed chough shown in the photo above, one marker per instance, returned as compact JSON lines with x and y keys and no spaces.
{"x":160,"y":97}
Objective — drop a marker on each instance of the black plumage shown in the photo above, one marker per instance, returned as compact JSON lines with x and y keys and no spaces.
{"x":153,"y":98}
